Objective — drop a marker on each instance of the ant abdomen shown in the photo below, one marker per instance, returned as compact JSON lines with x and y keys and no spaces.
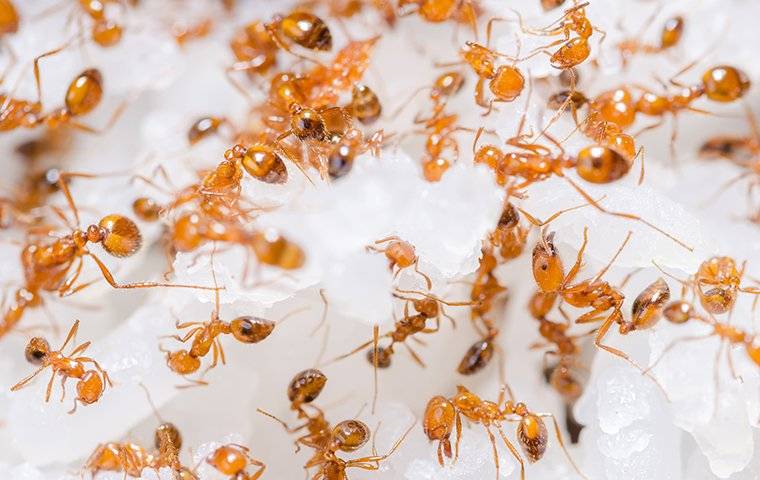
{"x":120,"y":235}
{"x":476,"y":358}
{"x":249,"y":329}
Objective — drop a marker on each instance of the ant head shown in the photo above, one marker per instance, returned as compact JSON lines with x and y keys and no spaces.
{"x":306,"y":386}
{"x":249,"y":329}
{"x":548,"y":270}
{"x":167,"y":436}
{"x":85,"y":92}
{"x":118,"y":234}
{"x":350,"y":435}
{"x":37,"y":351}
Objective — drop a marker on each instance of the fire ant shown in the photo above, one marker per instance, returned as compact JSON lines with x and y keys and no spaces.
{"x":717,"y":283}
{"x":90,"y":384}
{"x":505,"y":82}
{"x":443,"y":415}
{"x":596,"y":293}
{"x":670,"y":36}
{"x":104,"y":31}
{"x":401,"y":254}
{"x":572,"y":51}
{"x":47,"y":266}
{"x":132,"y":458}
{"x":722,"y":83}
{"x":83,"y":96}
{"x":205,"y":335}
{"x":233,"y":460}
{"x":534,"y":162}
{"x":680,"y":311}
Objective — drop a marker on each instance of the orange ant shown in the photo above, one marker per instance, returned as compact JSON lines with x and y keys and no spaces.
{"x":596,"y":293}
{"x":325,"y":83}
{"x":401,"y":254}
{"x":572,"y":51}
{"x":428,"y":307}
{"x":443,"y":415}
{"x":680,"y":311}
{"x":104,"y":32}
{"x":717,"y":283}
{"x":205,"y":335}
{"x":47,"y":266}
{"x":534,"y":162}
{"x":722,"y":83}
{"x":566,"y":348}
{"x":83,"y":96}
{"x":670,"y":36}
{"x":233,"y":460}
{"x":132,"y":458}
{"x":90,"y":384}
{"x":505,"y":82}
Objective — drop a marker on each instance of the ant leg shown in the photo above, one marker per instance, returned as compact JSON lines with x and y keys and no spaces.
{"x":578,"y":260}
{"x":63,"y":388}
{"x":415,"y":356}
{"x":72,"y":333}
{"x":458,"y":426}
{"x":65,"y":288}
{"x":673,"y":344}
{"x":109,"y":278}
{"x":562,"y":443}
{"x":653,"y":126}
{"x":673,"y":136}
{"x":493,"y":448}
{"x":50,"y":386}
{"x":602,"y":332}
{"x":505,"y":390}
{"x":36,"y":68}
{"x":117,"y":113}
{"x":629,"y":216}
{"x":428,"y":282}
{"x":352,"y":352}
{"x":28,"y":379}
{"x":237,"y":67}
{"x":80,"y":349}
{"x":260,"y":471}
{"x":612,"y":260}
{"x":379,"y":458}
{"x":538,"y":223}
{"x":512,"y":450}
{"x":732,"y":367}
{"x":375,"y":333}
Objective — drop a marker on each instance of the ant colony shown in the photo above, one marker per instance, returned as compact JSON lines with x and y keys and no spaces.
{"x":379,"y":239}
